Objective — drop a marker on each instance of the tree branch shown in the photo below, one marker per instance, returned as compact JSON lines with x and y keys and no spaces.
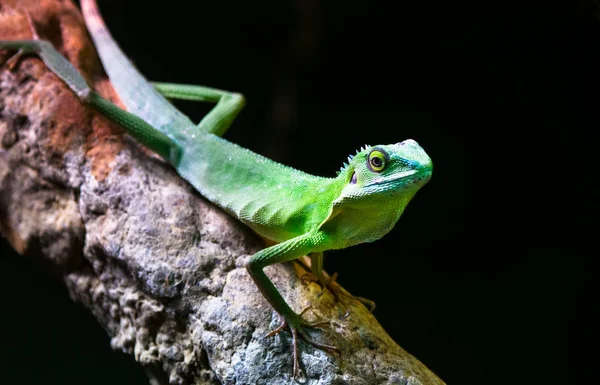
{"x":159,"y":267}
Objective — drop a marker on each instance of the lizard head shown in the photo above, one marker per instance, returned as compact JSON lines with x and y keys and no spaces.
{"x":385,"y":174}
{"x":374,"y":188}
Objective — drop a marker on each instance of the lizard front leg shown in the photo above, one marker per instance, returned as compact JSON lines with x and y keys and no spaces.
{"x":294,"y":322}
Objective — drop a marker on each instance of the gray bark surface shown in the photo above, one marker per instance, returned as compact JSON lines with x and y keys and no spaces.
{"x":158,"y":266}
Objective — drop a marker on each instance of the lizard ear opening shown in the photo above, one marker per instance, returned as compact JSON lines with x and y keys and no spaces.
{"x":353,"y":179}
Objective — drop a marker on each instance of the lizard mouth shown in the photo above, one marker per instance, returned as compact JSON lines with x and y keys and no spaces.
{"x":406,"y":178}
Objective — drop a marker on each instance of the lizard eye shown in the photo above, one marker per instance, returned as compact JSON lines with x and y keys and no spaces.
{"x":377,"y":160}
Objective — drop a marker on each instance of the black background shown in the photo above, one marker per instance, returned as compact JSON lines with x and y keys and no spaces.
{"x":486,"y":278}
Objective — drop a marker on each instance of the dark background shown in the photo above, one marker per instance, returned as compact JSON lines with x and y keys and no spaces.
{"x":486,"y":278}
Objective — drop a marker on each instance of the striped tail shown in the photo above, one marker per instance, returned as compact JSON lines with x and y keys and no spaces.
{"x":136,"y":93}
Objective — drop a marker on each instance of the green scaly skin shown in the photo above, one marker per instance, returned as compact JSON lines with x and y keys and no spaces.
{"x":305,"y":214}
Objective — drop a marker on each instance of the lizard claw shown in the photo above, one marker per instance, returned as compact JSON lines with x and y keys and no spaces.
{"x":12,"y":62}
{"x":297,"y":327}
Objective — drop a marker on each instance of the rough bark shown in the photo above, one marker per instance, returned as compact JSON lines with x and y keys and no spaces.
{"x":159,"y":267}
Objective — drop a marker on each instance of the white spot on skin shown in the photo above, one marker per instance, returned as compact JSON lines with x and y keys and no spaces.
{"x":84,"y":94}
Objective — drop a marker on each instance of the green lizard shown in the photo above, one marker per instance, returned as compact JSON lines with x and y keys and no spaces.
{"x":302,"y":213}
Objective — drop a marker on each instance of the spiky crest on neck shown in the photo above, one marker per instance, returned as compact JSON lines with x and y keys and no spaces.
{"x":345,"y":167}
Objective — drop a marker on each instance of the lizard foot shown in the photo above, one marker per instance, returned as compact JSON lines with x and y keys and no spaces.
{"x":340,"y":294}
{"x":12,"y":62}
{"x":297,"y":326}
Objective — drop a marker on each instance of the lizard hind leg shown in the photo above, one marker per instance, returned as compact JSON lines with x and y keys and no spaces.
{"x":340,"y":294}
{"x":135,"y":126}
{"x":218,"y":120}
{"x":53,"y":60}
{"x":12,"y":62}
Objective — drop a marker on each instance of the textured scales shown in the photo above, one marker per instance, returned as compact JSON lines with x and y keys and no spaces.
{"x":305,"y":214}
{"x":275,"y":200}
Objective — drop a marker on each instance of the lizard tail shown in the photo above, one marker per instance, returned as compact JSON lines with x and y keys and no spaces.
{"x":136,"y":93}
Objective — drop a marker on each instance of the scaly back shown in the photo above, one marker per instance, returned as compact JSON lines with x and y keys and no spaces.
{"x":276,"y":201}
{"x":273,"y":199}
